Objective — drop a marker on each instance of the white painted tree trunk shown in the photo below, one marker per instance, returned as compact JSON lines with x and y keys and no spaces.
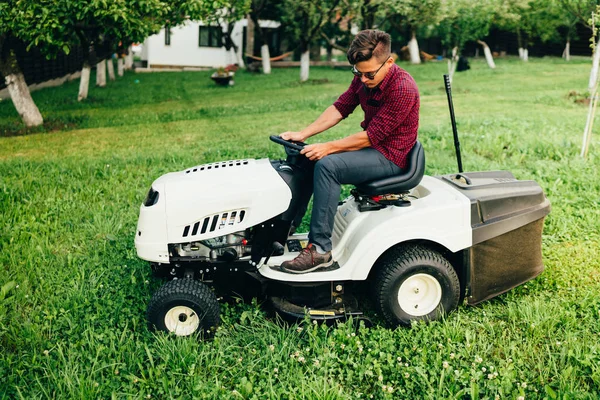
{"x":111,"y":69}
{"x":21,"y":98}
{"x":237,"y":57}
{"x":587,"y":132}
{"x":452,"y":63}
{"x":304,"y":65}
{"x":521,"y":53}
{"x":266,"y":59}
{"x":594,"y":72}
{"x":120,"y":66}
{"x":84,"y":82}
{"x":567,"y":52}
{"x":525,"y":55}
{"x":488,"y":54}
{"x":101,"y":73}
{"x":413,"y":49}
{"x":129,"y":58}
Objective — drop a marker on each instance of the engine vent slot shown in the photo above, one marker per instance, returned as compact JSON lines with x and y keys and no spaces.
{"x":205,"y":225}
{"x":221,"y":165}
{"x":195,"y":230}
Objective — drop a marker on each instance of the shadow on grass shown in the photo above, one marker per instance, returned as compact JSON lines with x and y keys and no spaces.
{"x":52,"y":124}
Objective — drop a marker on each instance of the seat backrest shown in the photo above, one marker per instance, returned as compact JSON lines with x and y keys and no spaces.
{"x":408,"y":179}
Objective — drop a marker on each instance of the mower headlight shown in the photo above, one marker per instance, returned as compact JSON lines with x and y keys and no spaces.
{"x":151,"y":198}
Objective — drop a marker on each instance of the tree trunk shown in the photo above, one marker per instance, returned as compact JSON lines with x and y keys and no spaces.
{"x":19,"y":91}
{"x":304,"y":65}
{"x":488,"y":54}
{"x":249,"y":37}
{"x":84,"y":81}
{"x":101,"y":74}
{"x":266,"y":59}
{"x":520,"y":43}
{"x":129,"y":58}
{"x":567,"y":52}
{"x":413,"y":49}
{"x":329,"y":53}
{"x":452,"y":62}
{"x":111,"y":69}
{"x":594,"y":72}
{"x":587,"y":132}
{"x":120,"y":66}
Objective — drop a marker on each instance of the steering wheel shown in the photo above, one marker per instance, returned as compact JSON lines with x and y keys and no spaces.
{"x":298,"y":146}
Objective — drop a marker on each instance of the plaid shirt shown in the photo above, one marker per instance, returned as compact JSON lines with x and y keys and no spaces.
{"x":391,"y":113}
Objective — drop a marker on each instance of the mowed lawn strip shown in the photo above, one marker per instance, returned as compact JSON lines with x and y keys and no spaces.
{"x":72,"y":314}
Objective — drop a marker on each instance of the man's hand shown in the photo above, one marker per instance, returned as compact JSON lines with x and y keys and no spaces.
{"x":315,"y":152}
{"x":293,"y":136}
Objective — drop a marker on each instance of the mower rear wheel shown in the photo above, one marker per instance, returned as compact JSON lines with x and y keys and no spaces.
{"x":184,"y":307}
{"x":415,"y":283}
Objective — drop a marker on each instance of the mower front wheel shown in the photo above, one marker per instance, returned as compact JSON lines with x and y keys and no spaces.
{"x":184,"y":307}
{"x":415,"y":283}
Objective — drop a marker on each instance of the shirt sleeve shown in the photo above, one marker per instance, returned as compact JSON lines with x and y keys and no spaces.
{"x":348,"y":101}
{"x":393,"y":113}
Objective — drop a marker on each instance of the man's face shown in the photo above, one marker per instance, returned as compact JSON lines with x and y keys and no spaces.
{"x":370,"y":67}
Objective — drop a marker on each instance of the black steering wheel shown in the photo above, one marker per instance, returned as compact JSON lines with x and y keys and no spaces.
{"x":298,"y":146}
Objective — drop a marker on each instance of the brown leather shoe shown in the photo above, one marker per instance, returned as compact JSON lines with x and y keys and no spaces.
{"x":308,"y":260}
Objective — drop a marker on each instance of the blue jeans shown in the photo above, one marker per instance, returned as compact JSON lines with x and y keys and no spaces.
{"x":352,"y":167}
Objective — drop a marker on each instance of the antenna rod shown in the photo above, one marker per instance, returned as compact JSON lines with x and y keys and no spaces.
{"x":453,"y":119}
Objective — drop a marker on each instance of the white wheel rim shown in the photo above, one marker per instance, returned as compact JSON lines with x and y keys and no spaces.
{"x":182,"y":321}
{"x":419,"y":295}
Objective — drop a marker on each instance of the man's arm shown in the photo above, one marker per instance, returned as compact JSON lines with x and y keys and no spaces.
{"x":317,"y":151}
{"x":330,"y":117}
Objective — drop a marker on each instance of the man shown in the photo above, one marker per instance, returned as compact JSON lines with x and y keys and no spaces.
{"x":389,"y":98}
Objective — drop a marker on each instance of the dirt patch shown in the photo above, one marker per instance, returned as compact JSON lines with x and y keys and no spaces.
{"x":50,"y":125}
{"x":579,"y":98}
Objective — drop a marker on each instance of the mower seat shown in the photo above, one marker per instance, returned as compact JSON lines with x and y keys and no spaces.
{"x":402,"y":183}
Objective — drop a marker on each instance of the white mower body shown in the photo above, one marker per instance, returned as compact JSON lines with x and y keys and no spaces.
{"x":220,"y":199}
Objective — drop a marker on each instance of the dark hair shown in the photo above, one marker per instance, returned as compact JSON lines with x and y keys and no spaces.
{"x":369,"y":43}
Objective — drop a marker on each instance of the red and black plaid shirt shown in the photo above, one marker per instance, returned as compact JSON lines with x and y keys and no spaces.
{"x":391,"y":113}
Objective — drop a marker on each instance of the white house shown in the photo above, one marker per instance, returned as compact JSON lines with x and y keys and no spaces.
{"x":196,"y":45}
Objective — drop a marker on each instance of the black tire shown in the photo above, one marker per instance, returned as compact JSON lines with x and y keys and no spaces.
{"x":424,"y":272}
{"x":184,"y":307}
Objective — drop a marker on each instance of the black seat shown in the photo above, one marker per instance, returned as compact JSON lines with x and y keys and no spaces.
{"x":402,"y":183}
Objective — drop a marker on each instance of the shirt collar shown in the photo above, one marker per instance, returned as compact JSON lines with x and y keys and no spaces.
{"x":391,"y":74}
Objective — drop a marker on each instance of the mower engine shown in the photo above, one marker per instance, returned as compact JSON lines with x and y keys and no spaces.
{"x":222,"y":248}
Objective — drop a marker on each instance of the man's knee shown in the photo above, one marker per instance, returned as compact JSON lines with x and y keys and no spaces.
{"x":328,"y":165}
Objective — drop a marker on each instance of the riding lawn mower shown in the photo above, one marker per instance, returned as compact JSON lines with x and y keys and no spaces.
{"x":422,"y":243}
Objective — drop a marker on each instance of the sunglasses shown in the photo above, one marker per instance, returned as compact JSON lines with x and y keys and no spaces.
{"x":368,"y":75}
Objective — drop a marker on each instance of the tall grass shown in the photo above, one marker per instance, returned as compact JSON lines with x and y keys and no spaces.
{"x":73,"y":298}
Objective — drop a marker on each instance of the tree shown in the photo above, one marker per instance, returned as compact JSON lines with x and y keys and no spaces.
{"x":582,"y":10}
{"x":16,"y":19}
{"x":418,"y":13}
{"x":337,"y":32}
{"x":261,"y":10}
{"x":231,"y":13}
{"x":463,"y":23}
{"x":303,"y":21}
{"x":368,"y":13}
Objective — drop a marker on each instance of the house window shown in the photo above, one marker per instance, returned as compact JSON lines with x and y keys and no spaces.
{"x":210,"y":36}
{"x":167,"y":36}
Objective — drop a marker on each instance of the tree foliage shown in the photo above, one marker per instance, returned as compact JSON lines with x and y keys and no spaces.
{"x":464,"y":22}
{"x":418,"y":13}
{"x":304,"y":19}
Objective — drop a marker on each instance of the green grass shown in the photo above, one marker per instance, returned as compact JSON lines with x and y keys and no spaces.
{"x":74,"y":293}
